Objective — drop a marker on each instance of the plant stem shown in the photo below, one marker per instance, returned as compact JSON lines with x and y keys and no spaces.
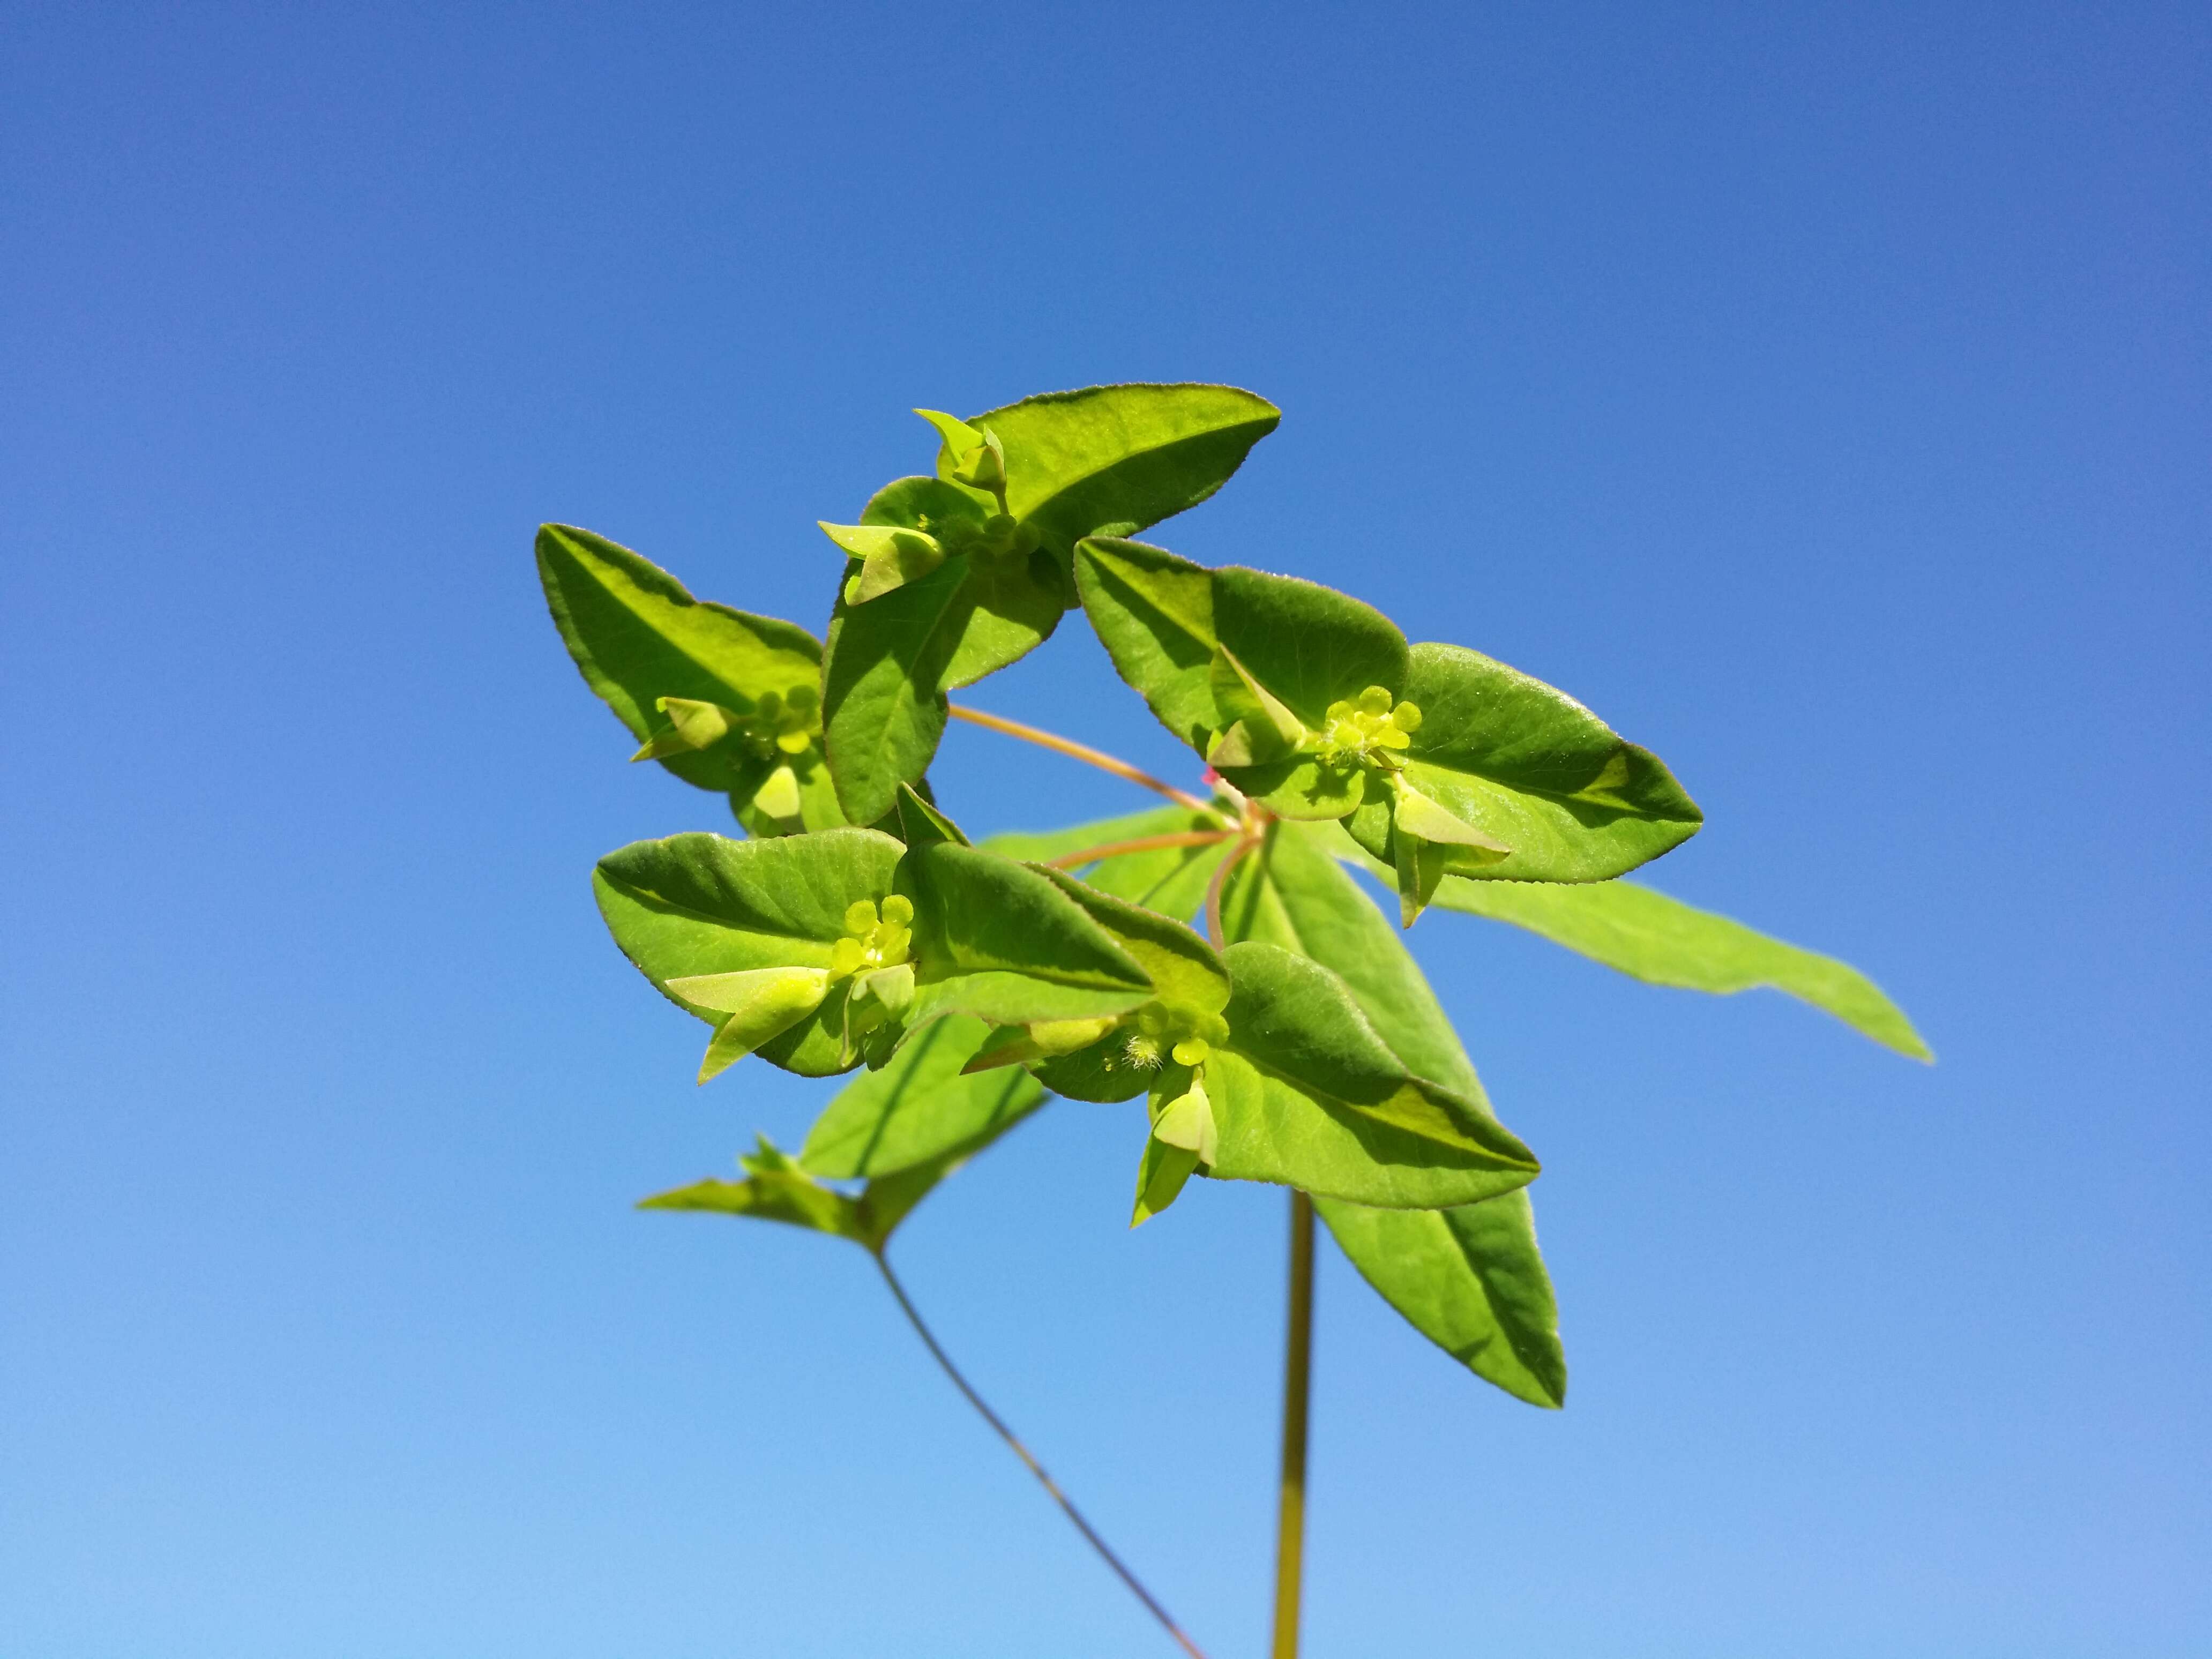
{"x":1298,"y":1372}
{"x":1215,"y":888}
{"x":1082,"y":856}
{"x":1084,"y":752}
{"x":1052,"y":1488}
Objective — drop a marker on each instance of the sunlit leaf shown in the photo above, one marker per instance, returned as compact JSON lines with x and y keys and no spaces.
{"x":776,"y":1188}
{"x":1294,"y":894}
{"x":919,"y":821}
{"x":695,"y":905}
{"x":1190,"y":640}
{"x":1120,"y":456}
{"x":638,"y":636}
{"x":1663,"y":941}
{"x":1308,"y":1096}
{"x":1470,"y":1281}
{"x":1526,"y":769}
{"x":891,"y":659}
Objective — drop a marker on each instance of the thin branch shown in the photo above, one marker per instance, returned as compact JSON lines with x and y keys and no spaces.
{"x":998,"y":1428}
{"x":1084,"y":752}
{"x":1083,"y":855}
{"x":1213,"y":890}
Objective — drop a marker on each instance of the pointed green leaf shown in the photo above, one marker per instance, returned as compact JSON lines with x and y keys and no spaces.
{"x":890,"y":556}
{"x":774,"y":1189}
{"x":954,"y":434}
{"x":1154,"y":613}
{"x":921,"y":823}
{"x":1470,"y":1281}
{"x":1290,"y":645}
{"x":1531,"y":769}
{"x":777,"y":1189}
{"x":1271,"y":1129}
{"x":920,"y":1107}
{"x":1003,"y":943}
{"x":1120,"y":456}
{"x":1308,"y":1096}
{"x":693,"y":726}
{"x":1294,"y":893}
{"x":1298,"y":1019}
{"x":1663,"y":941}
{"x":1163,"y":1170}
{"x":637,"y":636}
{"x":760,"y":1004}
{"x":1419,"y":866}
{"x":1242,"y":666}
{"x":697,"y":905}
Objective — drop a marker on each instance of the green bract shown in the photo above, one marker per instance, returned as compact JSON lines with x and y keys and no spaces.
{"x":953,"y":578}
{"x":1218,"y":959}
{"x":817,"y":951}
{"x":1438,"y":760}
{"x":725,"y":700}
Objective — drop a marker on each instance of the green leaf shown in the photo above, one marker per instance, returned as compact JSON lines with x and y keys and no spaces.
{"x":890,"y":556}
{"x":1293,"y":893}
{"x":1217,"y":652}
{"x":1162,"y":1172}
{"x":1308,"y":1096}
{"x":1154,"y":613}
{"x":1663,"y":941}
{"x":919,"y":822}
{"x":1004,"y":944}
{"x":891,"y":659}
{"x":1274,"y":1130}
{"x":762,"y":1004}
{"x":1500,"y":775}
{"x":1290,"y":893}
{"x":697,"y":905}
{"x":1120,"y":456}
{"x":920,"y":1107}
{"x":777,"y":1189}
{"x":1527,"y":769}
{"x":1470,"y":1281}
{"x":638,"y":636}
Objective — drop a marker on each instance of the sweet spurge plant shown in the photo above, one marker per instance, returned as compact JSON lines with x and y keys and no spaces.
{"x":1214,"y":957}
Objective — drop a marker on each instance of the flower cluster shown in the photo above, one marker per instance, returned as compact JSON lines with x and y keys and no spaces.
{"x":875,"y":937}
{"x":1369,"y":731}
{"x":782,"y":722}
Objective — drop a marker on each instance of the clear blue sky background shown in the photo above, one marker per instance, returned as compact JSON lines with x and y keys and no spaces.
{"x":1819,"y":392}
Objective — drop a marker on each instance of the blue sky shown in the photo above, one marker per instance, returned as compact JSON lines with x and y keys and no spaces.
{"x":1819,"y":393}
